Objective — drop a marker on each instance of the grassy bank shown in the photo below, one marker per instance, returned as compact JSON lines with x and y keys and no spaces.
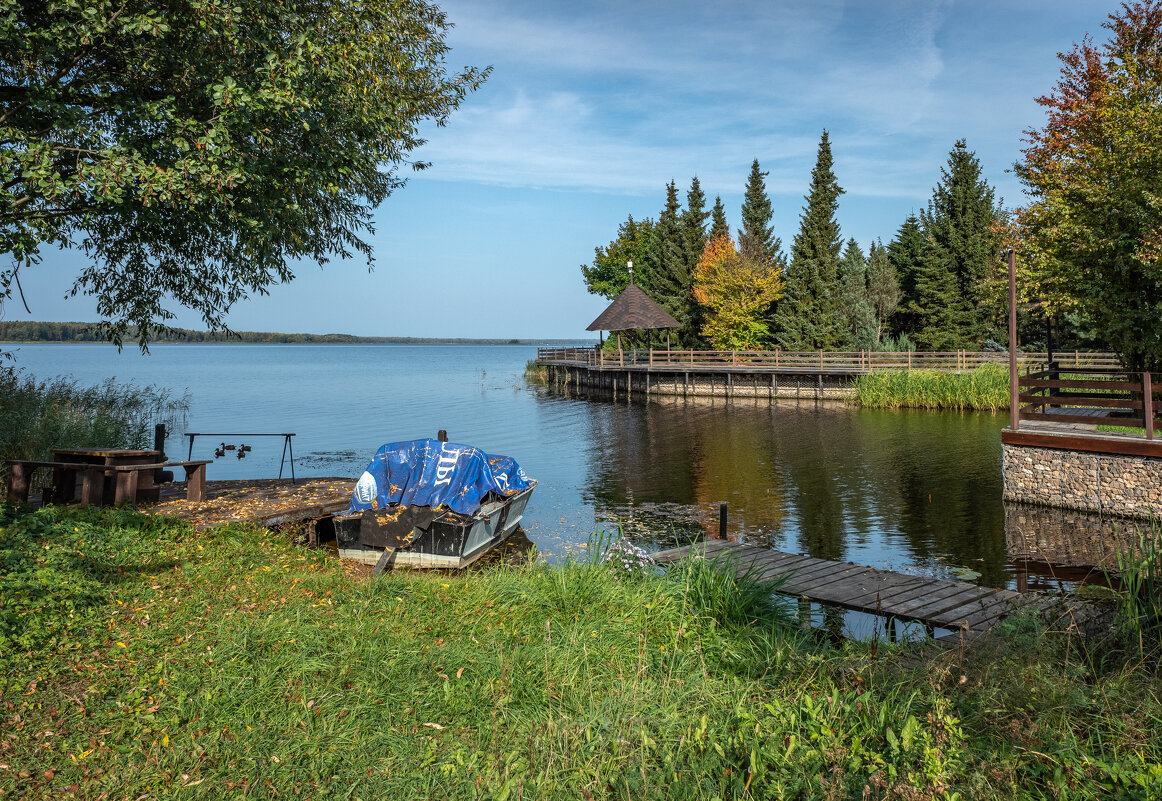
{"x":985,"y":388}
{"x":140,"y":658}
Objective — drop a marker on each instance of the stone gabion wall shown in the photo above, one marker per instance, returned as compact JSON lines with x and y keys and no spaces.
{"x":1128,"y":486}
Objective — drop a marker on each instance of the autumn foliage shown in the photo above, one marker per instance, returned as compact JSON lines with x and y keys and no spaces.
{"x":736,"y":292}
{"x":1093,"y":235}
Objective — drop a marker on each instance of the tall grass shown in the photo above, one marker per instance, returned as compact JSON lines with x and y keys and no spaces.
{"x":1140,"y":601}
{"x":985,"y":388}
{"x":38,"y":416}
{"x":142,"y":658}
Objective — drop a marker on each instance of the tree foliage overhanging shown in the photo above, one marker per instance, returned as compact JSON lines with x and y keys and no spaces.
{"x":195,"y":150}
{"x":1094,"y":230}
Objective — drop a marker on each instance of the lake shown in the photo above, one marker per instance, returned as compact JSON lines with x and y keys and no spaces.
{"x":913,"y":491}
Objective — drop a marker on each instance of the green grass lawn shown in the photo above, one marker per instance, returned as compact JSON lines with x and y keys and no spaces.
{"x":142,"y":659}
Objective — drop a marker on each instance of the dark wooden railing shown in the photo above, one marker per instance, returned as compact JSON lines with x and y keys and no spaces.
{"x":843,"y":361}
{"x":1089,"y":395}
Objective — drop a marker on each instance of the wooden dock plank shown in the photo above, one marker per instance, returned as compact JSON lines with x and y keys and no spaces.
{"x":943,"y":603}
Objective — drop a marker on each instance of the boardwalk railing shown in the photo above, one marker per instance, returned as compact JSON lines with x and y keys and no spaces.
{"x":839,"y":361}
{"x":1088,"y":395}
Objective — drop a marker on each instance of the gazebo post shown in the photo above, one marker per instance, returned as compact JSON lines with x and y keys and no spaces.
{"x":620,"y":356}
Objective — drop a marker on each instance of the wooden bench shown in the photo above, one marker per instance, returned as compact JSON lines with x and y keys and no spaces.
{"x":127,"y":476}
{"x":93,"y":488}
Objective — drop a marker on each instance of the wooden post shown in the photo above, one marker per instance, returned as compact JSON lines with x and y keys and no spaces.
{"x":1148,"y":404}
{"x":18,"y":481}
{"x":126,"y":490}
{"x":196,"y":482}
{"x":1014,"y":379}
{"x":722,"y":521}
{"x":620,"y":355}
{"x":909,"y":360}
{"x":93,"y":490}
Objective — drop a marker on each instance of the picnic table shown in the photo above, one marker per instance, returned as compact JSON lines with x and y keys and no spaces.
{"x":110,"y":475}
{"x":64,"y":480}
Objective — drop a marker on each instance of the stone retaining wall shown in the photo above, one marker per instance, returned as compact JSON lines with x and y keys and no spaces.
{"x":1128,"y":486}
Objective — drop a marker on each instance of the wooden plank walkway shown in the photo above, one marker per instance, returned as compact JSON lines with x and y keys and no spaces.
{"x":933,"y":602}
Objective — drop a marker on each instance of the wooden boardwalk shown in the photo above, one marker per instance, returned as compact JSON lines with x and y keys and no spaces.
{"x":954,"y":605}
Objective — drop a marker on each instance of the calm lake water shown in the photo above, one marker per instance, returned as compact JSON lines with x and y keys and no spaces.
{"x":912,"y":491}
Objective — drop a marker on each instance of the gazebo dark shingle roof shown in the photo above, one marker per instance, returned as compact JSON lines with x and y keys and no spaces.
{"x":633,"y":309}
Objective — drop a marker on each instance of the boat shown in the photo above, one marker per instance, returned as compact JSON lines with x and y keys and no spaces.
{"x":430,"y":503}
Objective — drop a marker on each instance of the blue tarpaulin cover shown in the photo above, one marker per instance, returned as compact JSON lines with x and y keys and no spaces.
{"x":427,"y":472}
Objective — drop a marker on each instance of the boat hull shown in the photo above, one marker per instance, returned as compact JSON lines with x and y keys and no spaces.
{"x":442,"y":544}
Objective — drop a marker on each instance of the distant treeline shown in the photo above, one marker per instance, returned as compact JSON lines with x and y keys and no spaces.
{"x":30,"y":331}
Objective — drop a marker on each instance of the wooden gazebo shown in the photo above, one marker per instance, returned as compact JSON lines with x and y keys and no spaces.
{"x":632,"y":309}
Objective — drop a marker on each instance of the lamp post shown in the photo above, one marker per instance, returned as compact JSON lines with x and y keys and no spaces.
{"x":1014,"y":386}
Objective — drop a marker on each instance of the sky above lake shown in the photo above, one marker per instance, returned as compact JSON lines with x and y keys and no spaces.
{"x":593,"y":107}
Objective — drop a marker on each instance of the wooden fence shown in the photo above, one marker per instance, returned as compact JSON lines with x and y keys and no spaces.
{"x":837,"y":361}
{"x":1088,"y":395}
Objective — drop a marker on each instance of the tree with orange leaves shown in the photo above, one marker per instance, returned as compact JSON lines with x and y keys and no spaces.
{"x":1093,"y":233}
{"x":736,"y":292}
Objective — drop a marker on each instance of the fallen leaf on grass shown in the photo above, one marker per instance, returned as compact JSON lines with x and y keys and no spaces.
{"x":435,"y":726}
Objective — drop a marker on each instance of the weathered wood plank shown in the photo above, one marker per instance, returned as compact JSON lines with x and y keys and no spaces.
{"x":954,"y":617}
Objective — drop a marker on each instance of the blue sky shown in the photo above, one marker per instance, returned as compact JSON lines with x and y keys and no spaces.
{"x":594,"y":106}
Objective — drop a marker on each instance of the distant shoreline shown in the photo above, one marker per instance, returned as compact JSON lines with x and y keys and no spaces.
{"x":36,"y":333}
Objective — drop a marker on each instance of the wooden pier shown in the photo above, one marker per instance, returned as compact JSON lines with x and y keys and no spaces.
{"x":936,"y":603}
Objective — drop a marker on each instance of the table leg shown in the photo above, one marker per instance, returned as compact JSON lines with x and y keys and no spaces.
{"x":18,"y":481}
{"x":93,"y":489}
{"x":64,"y":482}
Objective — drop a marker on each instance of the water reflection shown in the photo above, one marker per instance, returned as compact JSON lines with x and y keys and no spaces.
{"x":918,"y":492}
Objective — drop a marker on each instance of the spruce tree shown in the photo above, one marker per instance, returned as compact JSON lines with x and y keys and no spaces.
{"x":718,"y":224}
{"x":669,"y":277}
{"x":756,"y":238}
{"x":883,"y":289}
{"x":959,"y":227}
{"x":807,"y":317}
{"x":906,"y":253}
{"x":693,"y":222}
{"x":854,"y":307}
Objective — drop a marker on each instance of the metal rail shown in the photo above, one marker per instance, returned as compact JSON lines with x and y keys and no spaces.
{"x":286,"y":445}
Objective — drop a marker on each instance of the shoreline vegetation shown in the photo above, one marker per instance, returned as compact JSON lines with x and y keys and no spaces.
{"x":143,"y":657}
{"x":28,"y":332}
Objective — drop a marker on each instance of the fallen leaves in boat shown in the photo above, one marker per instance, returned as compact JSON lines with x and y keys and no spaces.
{"x":261,"y":501}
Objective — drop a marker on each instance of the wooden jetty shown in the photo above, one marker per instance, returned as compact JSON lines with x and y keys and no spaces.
{"x":936,"y":603}
{"x":266,"y":502}
{"x":769,"y":374}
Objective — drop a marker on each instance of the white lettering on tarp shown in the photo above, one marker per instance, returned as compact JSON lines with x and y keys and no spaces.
{"x":446,"y":464}
{"x":365,"y":489}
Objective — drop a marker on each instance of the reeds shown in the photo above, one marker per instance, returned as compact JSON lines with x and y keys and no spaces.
{"x":37,"y":416}
{"x":986,"y":388}
{"x":1140,"y":600}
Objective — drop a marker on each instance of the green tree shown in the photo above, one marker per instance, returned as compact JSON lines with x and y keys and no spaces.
{"x":906,"y":252}
{"x":883,"y":289}
{"x":1093,"y":232}
{"x":718,"y":225}
{"x":807,"y":317}
{"x":693,"y":223}
{"x":608,"y":274}
{"x":853,"y":304}
{"x":669,"y":278}
{"x":956,"y":283}
{"x":756,"y":238}
{"x":195,"y":151}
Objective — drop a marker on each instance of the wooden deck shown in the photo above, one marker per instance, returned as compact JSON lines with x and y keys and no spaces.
{"x":267,"y":502}
{"x":953,"y":605}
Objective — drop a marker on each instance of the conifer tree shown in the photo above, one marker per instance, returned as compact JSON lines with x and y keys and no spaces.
{"x":669,"y":279}
{"x":906,"y":253}
{"x":718,"y":224}
{"x":693,"y":222}
{"x":807,"y":317}
{"x":959,"y":227}
{"x":854,"y":306}
{"x":883,"y":289}
{"x":756,"y":238}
